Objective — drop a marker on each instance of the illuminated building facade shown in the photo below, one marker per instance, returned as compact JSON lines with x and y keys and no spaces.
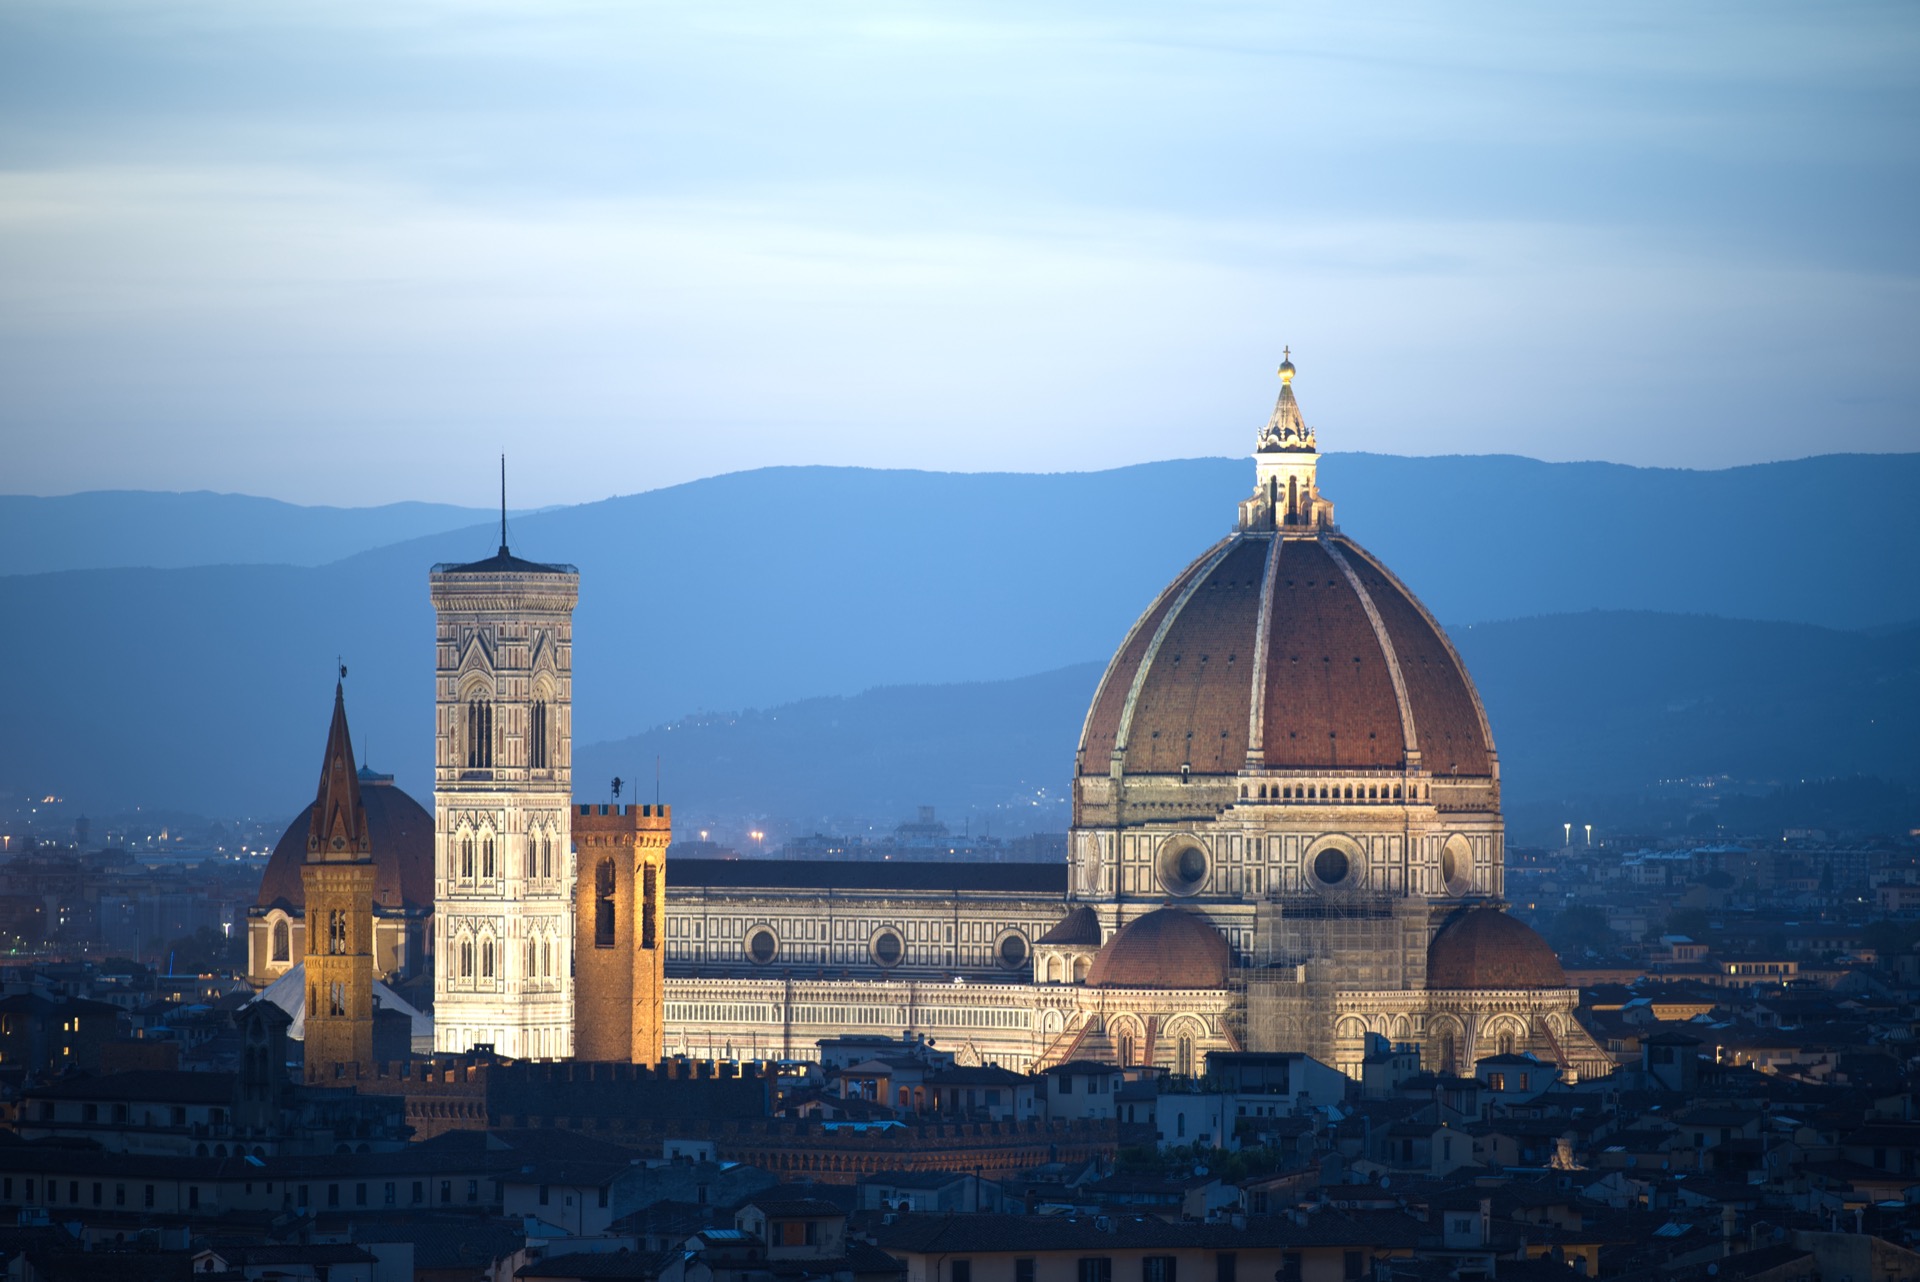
{"x":503,"y":849}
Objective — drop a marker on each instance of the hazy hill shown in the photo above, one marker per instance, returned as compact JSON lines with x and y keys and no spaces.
{"x":1583,"y":706}
{"x":206,"y":687}
{"x":108,"y":528}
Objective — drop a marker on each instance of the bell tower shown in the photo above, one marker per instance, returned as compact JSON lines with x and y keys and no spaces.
{"x":338,"y":879}
{"x":503,"y":775}
{"x":620,"y":948}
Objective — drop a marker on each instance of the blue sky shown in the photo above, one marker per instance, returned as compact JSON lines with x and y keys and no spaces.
{"x":348,"y":253}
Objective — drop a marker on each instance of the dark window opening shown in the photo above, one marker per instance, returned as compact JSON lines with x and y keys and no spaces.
{"x":604,"y":929}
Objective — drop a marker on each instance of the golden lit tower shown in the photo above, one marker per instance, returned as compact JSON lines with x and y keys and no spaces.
{"x":620,"y":945}
{"x":338,"y":879}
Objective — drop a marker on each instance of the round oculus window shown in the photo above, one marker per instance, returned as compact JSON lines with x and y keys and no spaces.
{"x":1013,"y":951}
{"x":1456,"y":866}
{"x":887,"y":948}
{"x":1183,"y":867}
{"x":762,"y":946}
{"x":1331,"y":866}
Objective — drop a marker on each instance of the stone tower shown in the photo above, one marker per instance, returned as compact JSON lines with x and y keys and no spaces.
{"x":503,"y":865}
{"x":620,"y":945}
{"x":338,"y":880}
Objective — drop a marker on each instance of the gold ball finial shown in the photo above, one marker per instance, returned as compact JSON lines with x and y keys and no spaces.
{"x":1286,"y":366}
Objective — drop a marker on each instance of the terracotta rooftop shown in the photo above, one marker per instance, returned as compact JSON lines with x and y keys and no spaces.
{"x":1351,"y":673}
{"x":1167,"y":948}
{"x":1484,"y":948}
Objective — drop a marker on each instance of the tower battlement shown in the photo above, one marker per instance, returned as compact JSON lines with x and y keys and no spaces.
{"x":620,"y":820}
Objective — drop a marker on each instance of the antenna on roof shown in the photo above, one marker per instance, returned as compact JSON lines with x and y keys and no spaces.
{"x":503,"y":505}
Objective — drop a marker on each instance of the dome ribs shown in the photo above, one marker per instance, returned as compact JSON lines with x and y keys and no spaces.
{"x":1447,"y":717}
{"x":1192,"y":708}
{"x":1330,"y":700}
{"x":1108,"y":711}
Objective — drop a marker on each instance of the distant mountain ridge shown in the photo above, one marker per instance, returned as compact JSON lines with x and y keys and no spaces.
{"x":111,"y":529}
{"x":205,"y":686}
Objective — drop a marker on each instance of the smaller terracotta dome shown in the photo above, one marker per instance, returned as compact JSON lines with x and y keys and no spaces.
{"x":1485,"y":948}
{"x":1080,"y":926}
{"x":402,"y":837}
{"x":1167,"y":948}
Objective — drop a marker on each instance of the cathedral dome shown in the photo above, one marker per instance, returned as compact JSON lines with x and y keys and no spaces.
{"x":1081,"y":926}
{"x":1484,"y":948}
{"x":1167,"y":948}
{"x":1286,"y":646}
{"x":401,"y":833}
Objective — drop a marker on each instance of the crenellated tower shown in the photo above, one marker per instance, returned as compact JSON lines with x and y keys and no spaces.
{"x":503,"y":861}
{"x":620,"y":946}
{"x":338,"y":879}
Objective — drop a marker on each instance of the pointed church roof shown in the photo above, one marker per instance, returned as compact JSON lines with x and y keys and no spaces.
{"x":338,"y":828}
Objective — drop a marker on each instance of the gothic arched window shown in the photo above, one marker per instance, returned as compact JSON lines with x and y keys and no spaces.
{"x":532,"y":956}
{"x":486,"y":959}
{"x":486,"y":857}
{"x":337,"y":931}
{"x":337,"y":998}
{"x":537,"y":736}
{"x":479,"y":733}
{"x":282,"y":941}
{"x":466,"y":856}
{"x":466,"y":959}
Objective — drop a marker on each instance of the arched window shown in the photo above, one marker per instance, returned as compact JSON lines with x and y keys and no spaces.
{"x":1183,"y":1057}
{"x":1126,"y":1050}
{"x":1506,"y":1043}
{"x":537,"y":736}
{"x":603,"y":907}
{"x":282,"y":941}
{"x":486,"y":959}
{"x":546,"y":855}
{"x":337,"y":998}
{"x":546,"y":957}
{"x":533,"y":955}
{"x":337,"y":931}
{"x":479,"y":734}
{"x":486,"y":857}
{"x":466,"y":856}
{"x":466,"y":959}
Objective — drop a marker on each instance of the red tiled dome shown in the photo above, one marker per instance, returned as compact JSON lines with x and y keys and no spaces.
{"x":1080,"y":926}
{"x":401,"y":832}
{"x":1350,"y":671}
{"x":1167,"y":948}
{"x":1485,"y":948}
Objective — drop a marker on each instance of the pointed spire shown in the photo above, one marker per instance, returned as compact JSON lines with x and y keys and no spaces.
{"x":1286,"y":429}
{"x":503,"y":506}
{"x":338,"y":829}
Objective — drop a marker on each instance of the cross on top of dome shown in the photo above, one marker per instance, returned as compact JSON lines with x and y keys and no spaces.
{"x":1286,"y":429}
